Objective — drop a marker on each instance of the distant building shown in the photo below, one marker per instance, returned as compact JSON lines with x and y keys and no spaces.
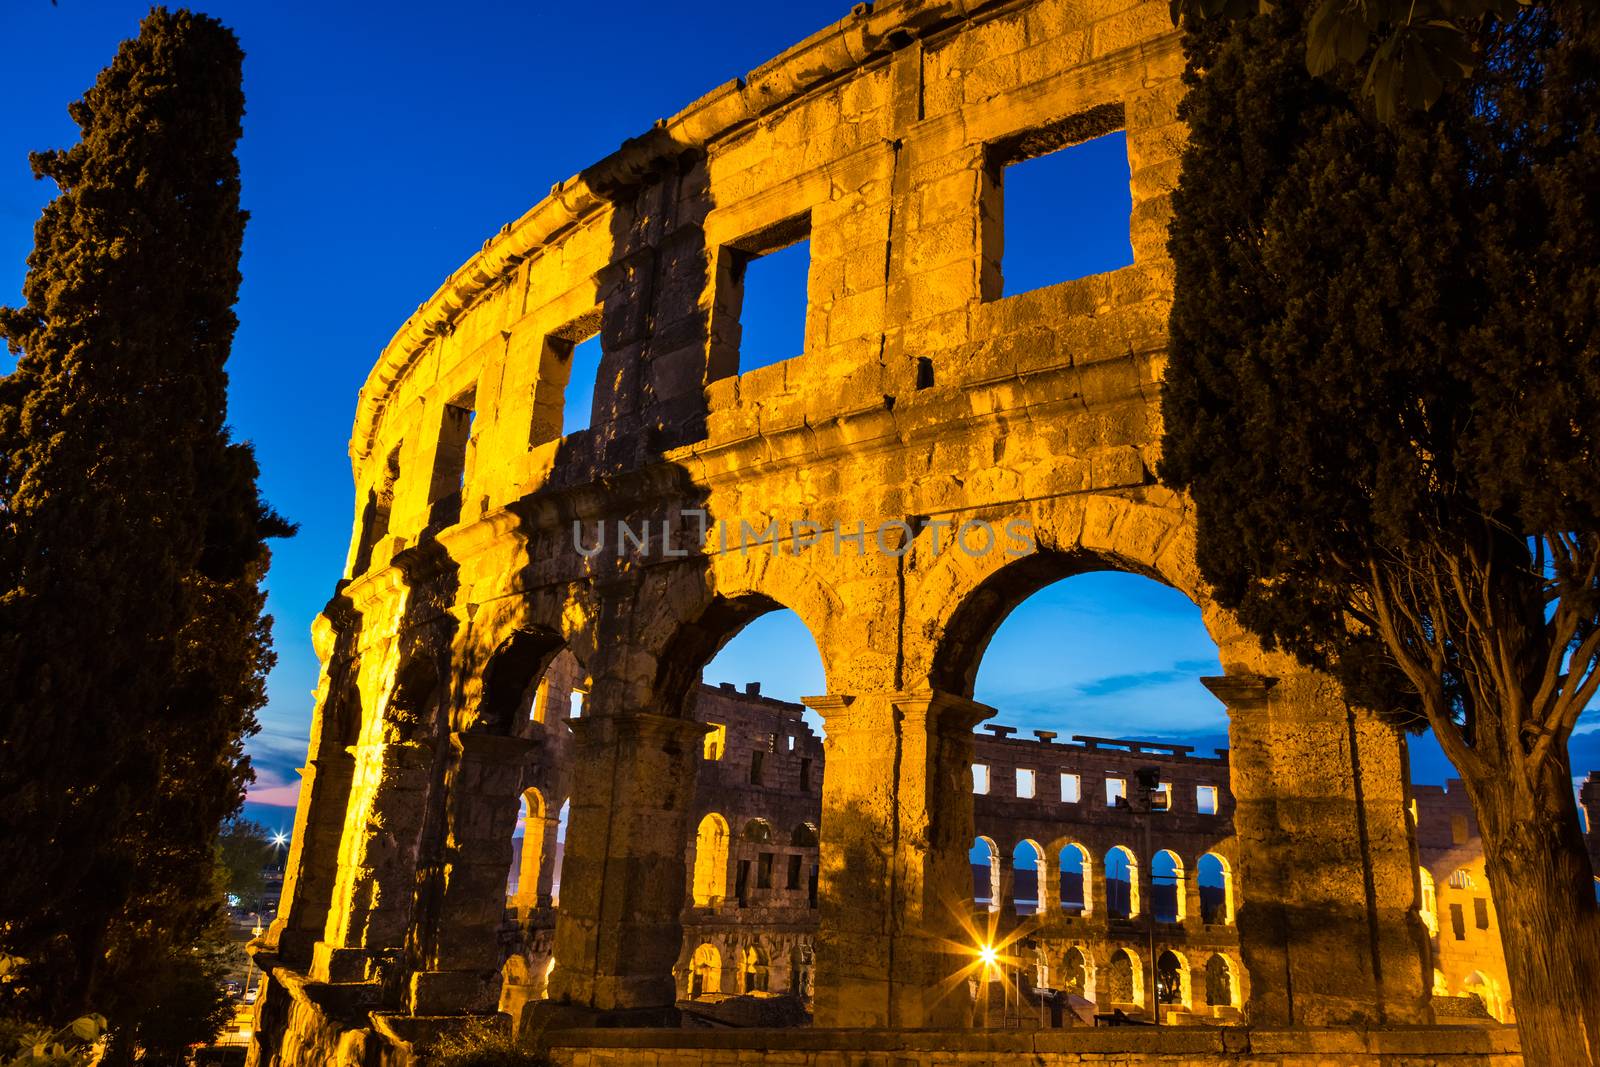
{"x":1059,"y":873}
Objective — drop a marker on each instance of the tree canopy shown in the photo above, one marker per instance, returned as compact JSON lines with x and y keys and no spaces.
{"x":133,"y":647}
{"x":1384,"y":398}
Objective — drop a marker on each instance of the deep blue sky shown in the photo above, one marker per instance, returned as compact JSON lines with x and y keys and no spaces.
{"x":384,"y":142}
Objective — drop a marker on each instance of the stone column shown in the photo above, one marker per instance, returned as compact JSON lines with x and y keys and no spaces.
{"x":618,"y":929}
{"x":313,"y":860}
{"x":1049,"y":882}
{"x":1193,"y":918}
{"x":533,"y":879}
{"x":460,"y":970}
{"x":371,"y":899}
{"x":895,"y":880}
{"x":1325,"y":907}
{"x":1007,"y":902}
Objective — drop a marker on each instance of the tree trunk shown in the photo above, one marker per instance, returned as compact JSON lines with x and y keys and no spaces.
{"x":1549,"y":925}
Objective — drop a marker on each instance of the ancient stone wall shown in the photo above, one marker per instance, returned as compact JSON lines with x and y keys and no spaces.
{"x":927,"y":401}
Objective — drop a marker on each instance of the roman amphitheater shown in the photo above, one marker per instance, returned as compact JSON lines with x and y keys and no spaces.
{"x":940,"y":451}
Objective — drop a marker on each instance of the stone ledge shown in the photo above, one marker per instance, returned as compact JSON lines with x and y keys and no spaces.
{"x":1496,"y":1045}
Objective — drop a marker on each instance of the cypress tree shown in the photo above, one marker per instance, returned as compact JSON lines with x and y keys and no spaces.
{"x":133,"y":647}
{"x":1383,"y":395}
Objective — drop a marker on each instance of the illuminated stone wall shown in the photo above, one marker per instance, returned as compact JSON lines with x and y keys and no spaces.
{"x":924,"y":397}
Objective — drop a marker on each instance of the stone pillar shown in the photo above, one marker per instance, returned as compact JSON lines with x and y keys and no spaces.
{"x":460,"y":970}
{"x":313,"y":860}
{"x":618,"y":929}
{"x":533,"y":878}
{"x":1193,"y":917}
{"x":1325,"y":907}
{"x":371,"y":900}
{"x":895,"y":881}
{"x":1006,"y":904}
{"x":1049,"y":882}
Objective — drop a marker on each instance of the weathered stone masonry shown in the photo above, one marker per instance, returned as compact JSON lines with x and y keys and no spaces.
{"x":921,"y":394}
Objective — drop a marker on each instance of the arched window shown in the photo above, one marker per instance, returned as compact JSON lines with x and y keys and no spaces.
{"x":1429,"y":907}
{"x":804,"y":836}
{"x":1166,"y":887}
{"x":1026,"y":890}
{"x":755,"y":969}
{"x":1124,"y":979}
{"x":1461,"y":878}
{"x":1076,"y":975}
{"x":1215,"y":882}
{"x":705,"y":971}
{"x":1122,"y":884}
{"x":1172,"y":978}
{"x":758,"y":830}
{"x":985,"y":860}
{"x":1221,"y":991}
{"x":1487,"y":990}
{"x":529,"y":844}
{"x":1075,"y":880}
{"x":711,"y":862}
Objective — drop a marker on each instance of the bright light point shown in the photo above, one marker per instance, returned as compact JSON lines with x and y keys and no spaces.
{"x":987,"y":954}
{"x":280,"y":839}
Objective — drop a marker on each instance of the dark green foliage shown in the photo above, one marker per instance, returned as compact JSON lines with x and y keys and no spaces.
{"x":1411,"y":50}
{"x":245,"y":849}
{"x":1384,"y":399}
{"x":483,"y":1044}
{"x":133,"y":649}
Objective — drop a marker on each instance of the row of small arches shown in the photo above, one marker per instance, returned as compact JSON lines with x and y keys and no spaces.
{"x":1072,"y":889}
{"x":1123,"y":979}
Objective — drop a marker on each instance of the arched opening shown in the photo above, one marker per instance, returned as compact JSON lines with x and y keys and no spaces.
{"x":1077,"y":974}
{"x":705,"y":971}
{"x":528,"y":889}
{"x":985,"y":858}
{"x":1076,"y":879}
{"x":1221,"y":990}
{"x":1428,"y":902}
{"x":711,"y":862}
{"x":1166,"y":887}
{"x":1124,"y":980}
{"x":1172,"y":979}
{"x":1122,"y":884}
{"x":756,"y":973}
{"x":1026,"y":877}
{"x":1215,"y":883}
{"x":804,"y":836}
{"x":1487,"y":990}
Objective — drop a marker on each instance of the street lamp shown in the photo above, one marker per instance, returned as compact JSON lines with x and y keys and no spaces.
{"x":1149,"y":780}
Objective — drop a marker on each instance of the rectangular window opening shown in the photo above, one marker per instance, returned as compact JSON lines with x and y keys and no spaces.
{"x":757,"y":760}
{"x":1025,"y":783}
{"x":1205,"y":799}
{"x":563,"y":391}
{"x":1480,"y":913}
{"x":450,"y":460}
{"x":764,"y":872}
{"x":793,"y":880}
{"x":575,"y":709}
{"x":805,"y":774}
{"x":1116,"y":790}
{"x":716,"y":741}
{"x":1161,"y":798}
{"x":761,"y":301}
{"x":1458,"y":923}
{"x":1071,"y":788}
{"x":1057,"y":204}
{"x":980,"y":778}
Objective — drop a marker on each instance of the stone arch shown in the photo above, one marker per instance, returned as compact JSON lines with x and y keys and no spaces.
{"x":1077,"y":973}
{"x":530,"y":865}
{"x":804,"y":836}
{"x":757,"y":830}
{"x":705,"y":971}
{"x":1222,"y":987}
{"x":1172,"y":978}
{"x":511,"y":678}
{"x":1167,"y":888}
{"x":711,"y":843}
{"x":413,"y":700}
{"x":1122,"y":883}
{"x":755,"y":974}
{"x":1026,"y":905}
{"x":963,"y":598}
{"x":1123,"y":981}
{"x":1214,"y":876}
{"x":1075,"y":887}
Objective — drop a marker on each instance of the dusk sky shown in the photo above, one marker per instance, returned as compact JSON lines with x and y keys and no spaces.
{"x":384,"y":142}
